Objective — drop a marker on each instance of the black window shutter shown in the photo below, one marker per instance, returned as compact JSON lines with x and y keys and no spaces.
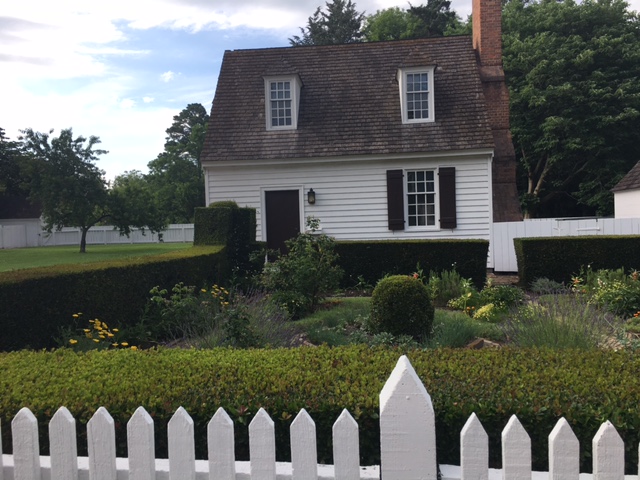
{"x":447,"y":179}
{"x":395,"y":199}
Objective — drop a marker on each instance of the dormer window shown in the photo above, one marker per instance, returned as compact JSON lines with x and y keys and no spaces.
{"x":282,"y":95}
{"x":416,"y":94}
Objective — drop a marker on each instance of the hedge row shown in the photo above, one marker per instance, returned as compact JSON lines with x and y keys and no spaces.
{"x":36,"y":302}
{"x":372,"y":260}
{"x":539,"y":386}
{"x":560,"y":258}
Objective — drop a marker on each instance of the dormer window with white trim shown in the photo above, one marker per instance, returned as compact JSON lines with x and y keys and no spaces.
{"x":416,"y":94}
{"x":282,"y":95}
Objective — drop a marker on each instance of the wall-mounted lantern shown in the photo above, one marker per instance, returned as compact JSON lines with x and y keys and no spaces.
{"x":311,"y":196}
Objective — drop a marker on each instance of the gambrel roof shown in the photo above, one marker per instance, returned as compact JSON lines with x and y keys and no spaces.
{"x":349,"y":101}
{"x":631,"y":181}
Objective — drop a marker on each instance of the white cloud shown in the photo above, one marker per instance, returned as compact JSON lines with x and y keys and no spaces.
{"x":167,"y":76}
{"x":147,"y":99}
{"x":127,"y":103}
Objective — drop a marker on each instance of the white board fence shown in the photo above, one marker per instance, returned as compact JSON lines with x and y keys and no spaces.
{"x":502,"y":254}
{"x":21,"y":234}
{"x":407,"y":441}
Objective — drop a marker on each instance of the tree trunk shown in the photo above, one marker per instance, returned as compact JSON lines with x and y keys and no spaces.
{"x":83,"y":239}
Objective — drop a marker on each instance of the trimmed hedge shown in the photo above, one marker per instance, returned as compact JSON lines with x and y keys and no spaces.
{"x":560,"y":258}
{"x":539,"y":386}
{"x":224,"y":223}
{"x":36,"y":302}
{"x":374,"y":259}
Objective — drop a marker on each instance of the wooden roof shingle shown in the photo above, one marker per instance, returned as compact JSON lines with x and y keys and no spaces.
{"x":349,"y":101}
{"x":630,"y":181}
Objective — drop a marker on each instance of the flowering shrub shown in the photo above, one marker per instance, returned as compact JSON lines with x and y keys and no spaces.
{"x":612,"y":290}
{"x":97,"y":337}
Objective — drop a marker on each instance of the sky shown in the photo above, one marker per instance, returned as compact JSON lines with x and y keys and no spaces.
{"x":121,"y":69}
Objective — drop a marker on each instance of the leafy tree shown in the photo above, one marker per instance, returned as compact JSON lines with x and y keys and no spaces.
{"x":12,"y":166}
{"x":390,"y":24}
{"x":176,"y":176}
{"x":71,"y":188}
{"x":434,"y":19}
{"x":131,"y":198}
{"x":341,"y":23}
{"x":572,"y":71}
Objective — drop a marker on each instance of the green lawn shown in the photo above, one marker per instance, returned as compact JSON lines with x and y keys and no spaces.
{"x":21,"y":258}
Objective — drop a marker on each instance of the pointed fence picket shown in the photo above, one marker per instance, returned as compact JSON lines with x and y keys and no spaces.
{"x":407,"y":439}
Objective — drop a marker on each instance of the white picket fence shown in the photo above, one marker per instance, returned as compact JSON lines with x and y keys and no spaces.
{"x":407,"y":441}
{"x":502,"y":254}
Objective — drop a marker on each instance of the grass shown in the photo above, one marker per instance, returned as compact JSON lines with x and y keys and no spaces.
{"x":23,"y":258}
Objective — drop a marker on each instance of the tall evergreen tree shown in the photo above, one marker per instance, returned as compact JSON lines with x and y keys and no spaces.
{"x":340,"y":23}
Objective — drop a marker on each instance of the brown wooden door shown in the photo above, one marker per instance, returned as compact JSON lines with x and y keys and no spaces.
{"x":282,"y":210}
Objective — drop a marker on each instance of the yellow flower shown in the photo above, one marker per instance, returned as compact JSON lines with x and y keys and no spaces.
{"x":203,"y":290}
{"x":91,"y":321}
{"x":133,"y":347}
{"x":116,"y":330}
{"x":124,"y":344}
{"x":96,"y":340}
{"x":110,"y":335}
{"x":73,"y":341}
{"x":115,"y":344}
{"x":86,"y":330}
{"x":75,"y":315}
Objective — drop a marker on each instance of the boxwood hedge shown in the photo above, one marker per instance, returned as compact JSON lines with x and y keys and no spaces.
{"x":36,"y":302}
{"x":539,"y":386}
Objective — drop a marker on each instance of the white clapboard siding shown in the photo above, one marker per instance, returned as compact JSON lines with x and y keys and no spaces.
{"x":351,"y":194}
{"x":407,"y":441}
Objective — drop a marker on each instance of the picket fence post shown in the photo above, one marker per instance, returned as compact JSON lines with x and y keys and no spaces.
{"x":63,"y":446}
{"x":141,"y":446}
{"x":608,"y":454}
{"x":262,"y":447}
{"x":304,"y":452}
{"x":346,"y":447}
{"x":564,"y":453}
{"x":407,"y":427}
{"x":101,"y":443}
{"x":26,"y":446}
{"x":220,"y":442}
{"x":474,"y":450}
{"x":182,"y":449}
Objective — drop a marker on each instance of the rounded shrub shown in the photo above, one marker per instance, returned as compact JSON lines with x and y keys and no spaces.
{"x":401,"y":305}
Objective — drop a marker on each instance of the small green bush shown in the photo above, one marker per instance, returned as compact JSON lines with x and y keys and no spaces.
{"x":502,"y":297}
{"x":299,"y":280}
{"x":447,"y":285}
{"x":400,"y":305}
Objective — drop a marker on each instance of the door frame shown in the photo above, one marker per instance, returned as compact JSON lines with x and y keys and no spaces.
{"x":263,"y":204}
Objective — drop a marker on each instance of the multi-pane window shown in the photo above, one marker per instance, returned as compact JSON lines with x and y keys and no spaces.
{"x":421,"y":198}
{"x":280,"y":97}
{"x":417,"y":96}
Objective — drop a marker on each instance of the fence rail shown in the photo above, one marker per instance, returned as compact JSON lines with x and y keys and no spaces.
{"x":407,"y":441}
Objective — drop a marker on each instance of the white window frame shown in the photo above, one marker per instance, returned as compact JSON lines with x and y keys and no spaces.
{"x":402,"y":82}
{"x":295,"y":85}
{"x":436,"y":203}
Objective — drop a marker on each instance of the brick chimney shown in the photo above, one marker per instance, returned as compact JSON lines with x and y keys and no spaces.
{"x":487,"y":42}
